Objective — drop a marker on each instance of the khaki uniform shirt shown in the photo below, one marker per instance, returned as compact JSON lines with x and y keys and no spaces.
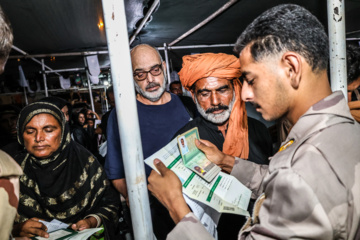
{"x":311,"y":188}
{"x":9,"y":193}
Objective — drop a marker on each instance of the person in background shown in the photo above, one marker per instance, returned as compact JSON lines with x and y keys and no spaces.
{"x":89,"y":114}
{"x":353,"y":79}
{"x":62,"y":180}
{"x":78,"y":132}
{"x":176,"y":88}
{"x":311,"y":187}
{"x":8,"y":117}
{"x":101,"y":129}
{"x":161,"y":114}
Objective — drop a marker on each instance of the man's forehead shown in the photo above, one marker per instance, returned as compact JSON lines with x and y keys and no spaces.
{"x":144,"y":57}
{"x":211,"y":83}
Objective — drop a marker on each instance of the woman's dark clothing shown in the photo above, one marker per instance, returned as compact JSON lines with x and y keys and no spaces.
{"x":69,"y":185}
{"x":80,"y":135}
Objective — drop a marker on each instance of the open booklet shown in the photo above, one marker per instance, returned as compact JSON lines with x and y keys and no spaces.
{"x":224,"y":193}
{"x":193,"y":158}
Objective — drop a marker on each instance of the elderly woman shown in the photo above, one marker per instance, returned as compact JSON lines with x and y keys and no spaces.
{"x":62,"y":180}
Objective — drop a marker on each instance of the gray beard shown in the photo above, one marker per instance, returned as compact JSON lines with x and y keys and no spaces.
{"x":216,"y":118}
{"x":152,"y":96}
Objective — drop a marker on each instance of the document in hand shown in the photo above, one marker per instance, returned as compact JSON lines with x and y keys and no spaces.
{"x":68,"y":234}
{"x":224,"y":193}
{"x":193,"y":158}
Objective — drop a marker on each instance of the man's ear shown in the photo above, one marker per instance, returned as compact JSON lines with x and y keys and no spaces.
{"x":293,"y":68}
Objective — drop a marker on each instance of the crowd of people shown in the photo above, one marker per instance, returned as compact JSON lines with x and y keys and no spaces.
{"x":51,"y":168}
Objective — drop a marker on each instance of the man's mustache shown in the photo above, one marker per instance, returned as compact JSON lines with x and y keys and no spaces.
{"x":220,"y":107}
{"x":151,"y":85}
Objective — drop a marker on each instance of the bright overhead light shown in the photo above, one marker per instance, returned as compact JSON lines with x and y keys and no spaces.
{"x":101,"y":25}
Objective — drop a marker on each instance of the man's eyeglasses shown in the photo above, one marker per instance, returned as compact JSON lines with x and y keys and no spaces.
{"x":142,"y":75}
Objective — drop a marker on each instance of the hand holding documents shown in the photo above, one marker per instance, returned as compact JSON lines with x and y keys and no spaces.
{"x":193,"y":158}
{"x":224,"y":193}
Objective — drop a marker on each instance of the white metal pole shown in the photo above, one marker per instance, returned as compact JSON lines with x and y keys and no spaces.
{"x":89,"y":86}
{"x":106,"y":100}
{"x":44,"y":77}
{"x":126,"y":111}
{"x":167,"y":63}
{"x":337,"y":44}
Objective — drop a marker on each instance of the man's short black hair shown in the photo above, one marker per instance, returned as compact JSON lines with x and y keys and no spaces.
{"x":353,"y":62}
{"x":174,"y":82}
{"x":287,"y":27}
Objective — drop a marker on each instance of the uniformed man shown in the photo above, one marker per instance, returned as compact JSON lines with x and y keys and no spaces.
{"x":311,"y":188}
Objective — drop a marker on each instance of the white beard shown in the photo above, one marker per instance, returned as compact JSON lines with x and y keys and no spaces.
{"x":219,"y":117}
{"x":152,"y":96}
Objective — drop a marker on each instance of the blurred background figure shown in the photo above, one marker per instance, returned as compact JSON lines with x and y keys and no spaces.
{"x":353,"y":79}
{"x":8,"y":118}
{"x":101,"y":129}
{"x":176,"y":88}
{"x":78,"y":132}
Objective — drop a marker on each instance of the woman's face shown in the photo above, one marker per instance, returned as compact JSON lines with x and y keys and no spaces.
{"x":81,"y":118}
{"x":42,"y":136}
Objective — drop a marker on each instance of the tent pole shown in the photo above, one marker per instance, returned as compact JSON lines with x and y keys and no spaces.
{"x":34,"y":59}
{"x":126,"y":112}
{"x":204,"y":22}
{"x":26,"y":99}
{"x":337,"y":44}
{"x":167,"y":63}
{"x":89,"y":86}
{"x":142,"y":24}
{"x":44,"y":77}
{"x":106,"y":52}
{"x":106,"y":100}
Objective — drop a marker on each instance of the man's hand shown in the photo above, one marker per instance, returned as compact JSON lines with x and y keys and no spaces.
{"x":86,"y":223}
{"x":225,"y":162}
{"x":167,"y":188}
{"x":30,"y":228}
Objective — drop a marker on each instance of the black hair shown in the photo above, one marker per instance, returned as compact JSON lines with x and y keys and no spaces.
{"x":353,"y":62}
{"x":174,"y":82}
{"x":287,"y":27}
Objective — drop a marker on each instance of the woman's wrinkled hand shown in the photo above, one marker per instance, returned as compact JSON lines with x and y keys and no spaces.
{"x":86,"y":223}
{"x":30,"y":228}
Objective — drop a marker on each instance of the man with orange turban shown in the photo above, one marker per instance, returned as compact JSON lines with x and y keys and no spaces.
{"x":213,"y":80}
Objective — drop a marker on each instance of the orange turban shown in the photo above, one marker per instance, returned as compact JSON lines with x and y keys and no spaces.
{"x":223,"y":66}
